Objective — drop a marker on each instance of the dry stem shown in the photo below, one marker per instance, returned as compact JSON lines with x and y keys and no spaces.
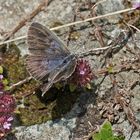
{"x":20,"y":83}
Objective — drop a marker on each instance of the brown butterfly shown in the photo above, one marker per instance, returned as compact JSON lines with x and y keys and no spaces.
{"x":49,"y":60}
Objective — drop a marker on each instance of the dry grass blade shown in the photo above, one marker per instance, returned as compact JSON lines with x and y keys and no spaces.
{"x":35,"y":12}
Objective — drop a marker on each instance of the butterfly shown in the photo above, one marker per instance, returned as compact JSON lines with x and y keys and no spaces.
{"x":49,"y":60}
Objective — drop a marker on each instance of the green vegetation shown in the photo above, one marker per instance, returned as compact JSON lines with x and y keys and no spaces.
{"x":106,"y":133}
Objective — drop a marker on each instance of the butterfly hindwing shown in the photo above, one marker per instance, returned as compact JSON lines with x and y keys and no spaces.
{"x":60,"y":73}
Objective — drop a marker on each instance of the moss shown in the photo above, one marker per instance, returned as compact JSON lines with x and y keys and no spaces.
{"x":14,"y":64}
{"x":38,"y":109}
{"x":34,"y":111}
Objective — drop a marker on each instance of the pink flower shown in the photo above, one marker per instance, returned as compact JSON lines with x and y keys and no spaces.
{"x":136,"y":5}
{"x":6,"y":122}
{"x":82,"y":74}
{"x":7,"y":103}
{"x":7,"y":106}
{"x":1,"y":76}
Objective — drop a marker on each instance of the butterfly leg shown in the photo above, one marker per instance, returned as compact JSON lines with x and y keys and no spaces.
{"x":46,"y":87}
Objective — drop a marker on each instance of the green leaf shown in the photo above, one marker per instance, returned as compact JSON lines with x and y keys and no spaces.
{"x":5,"y":82}
{"x":96,"y":136}
{"x":107,"y":125}
{"x":106,"y":131}
{"x":1,"y":69}
{"x":72,"y":87}
{"x":6,"y":88}
{"x":110,"y":69}
{"x":88,"y":86}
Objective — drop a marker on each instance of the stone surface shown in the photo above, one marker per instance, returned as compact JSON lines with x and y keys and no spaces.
{"x":84,"y":115}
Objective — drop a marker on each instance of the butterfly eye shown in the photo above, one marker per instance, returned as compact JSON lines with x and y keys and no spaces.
{"x":65,"y":61}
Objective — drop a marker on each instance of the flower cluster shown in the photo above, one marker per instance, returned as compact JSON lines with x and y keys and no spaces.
{"x":82,"y":74}
{"x":7,"y":106}
{"x":136,"y":5}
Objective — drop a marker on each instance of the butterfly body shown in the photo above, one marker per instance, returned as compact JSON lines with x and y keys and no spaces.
{"x":49,"y":60}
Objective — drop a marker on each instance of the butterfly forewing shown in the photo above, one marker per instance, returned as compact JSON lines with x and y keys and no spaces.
{"x":46,"y":51}
{"x":42,"y":41}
